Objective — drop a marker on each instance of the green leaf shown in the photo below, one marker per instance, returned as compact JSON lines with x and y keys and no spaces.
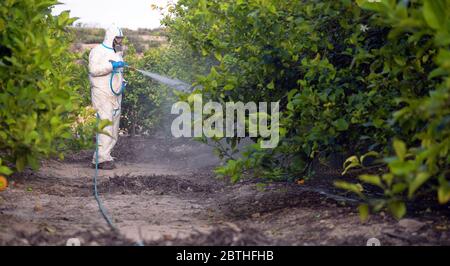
{"x":228,"y":87}
{"x":400,"y":149}
{"x":218,"y":56}
{"x":355,"y":188}
{"x":388,"y":178}
{"x":397,"y":208}
{"x":5,"y":170}
{"x":2,"y":25}
{"x":438,"y":72}
{"x":103,"y":123}
{"x":372,"y":179}
{"x":444,"y":194}
{"x":418,"y":181}
{"x":363,"y":212}
{"x":371,"y":5}
{"x":442,"y":38}
{"x":443,"y":58}
{"x":235,"y":178}
{"x":435,"y":13}
{"x":341,"y":124}
{"x":350,"y":163}
{"x":398,"y":188}
{"x":402,"y":168}
{"x":369,"y":154}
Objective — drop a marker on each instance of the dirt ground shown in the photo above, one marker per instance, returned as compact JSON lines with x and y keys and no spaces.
{"x":164,"y":193}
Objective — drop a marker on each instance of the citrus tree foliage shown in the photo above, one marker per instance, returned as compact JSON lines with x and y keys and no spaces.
{"x":39,"y":103}
{"x":352,"y":77}
{"x":421,"y":158}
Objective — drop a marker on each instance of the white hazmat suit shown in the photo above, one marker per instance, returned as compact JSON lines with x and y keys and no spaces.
{"x":105,"y":102}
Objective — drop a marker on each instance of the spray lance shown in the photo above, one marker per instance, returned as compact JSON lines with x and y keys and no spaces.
{"x":173,"y":83}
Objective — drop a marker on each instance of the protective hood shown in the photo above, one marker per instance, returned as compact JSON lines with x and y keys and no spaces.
{"x":111,"y":33}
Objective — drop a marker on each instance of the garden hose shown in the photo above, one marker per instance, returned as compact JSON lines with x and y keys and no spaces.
{"x":97,"y":198}
{"x":122,"y":87}
{"x":102,"y":209}
{"x":121,"y":90}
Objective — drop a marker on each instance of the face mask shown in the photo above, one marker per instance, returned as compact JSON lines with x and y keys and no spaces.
{"x":117,"y":47}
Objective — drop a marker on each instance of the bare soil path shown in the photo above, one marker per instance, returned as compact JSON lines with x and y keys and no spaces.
{"x":164,"y":192}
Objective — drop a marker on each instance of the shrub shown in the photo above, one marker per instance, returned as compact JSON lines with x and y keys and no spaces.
{"x":420,"y":163}
{"x":351,"y":77}
{"x":35,"y":96}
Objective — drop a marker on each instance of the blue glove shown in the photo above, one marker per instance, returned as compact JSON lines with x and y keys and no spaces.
{"x":118,"y":64}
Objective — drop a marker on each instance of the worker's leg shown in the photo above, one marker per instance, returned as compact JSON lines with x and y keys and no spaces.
{"x":104,"y":110}
{"x":116,"y":121}
{"x":115,"y":127}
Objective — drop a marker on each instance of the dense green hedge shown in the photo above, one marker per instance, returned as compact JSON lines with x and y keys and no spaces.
{"x":353,"y":77}
{"x":35,"y":97}
{"x":421,"y":158}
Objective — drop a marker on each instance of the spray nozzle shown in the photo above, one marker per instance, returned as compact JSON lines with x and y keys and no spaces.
{"x":125,"y":65}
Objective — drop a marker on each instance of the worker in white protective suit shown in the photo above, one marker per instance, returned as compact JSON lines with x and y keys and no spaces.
{"x":106,"y":76}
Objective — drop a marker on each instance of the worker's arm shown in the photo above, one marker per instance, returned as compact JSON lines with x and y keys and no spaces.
{"x":98,"y":64}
